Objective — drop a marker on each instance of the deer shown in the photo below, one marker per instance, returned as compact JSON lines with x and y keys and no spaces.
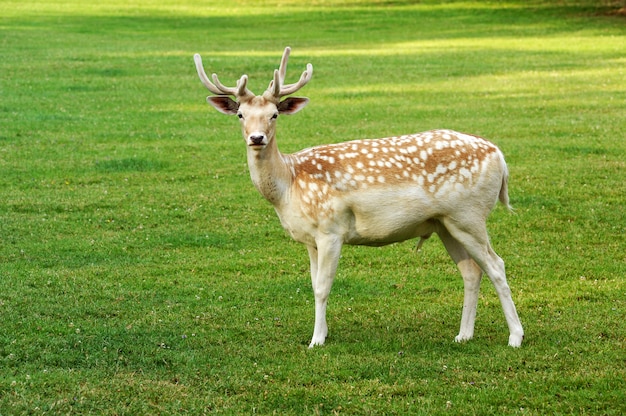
{"x":374,"y":192}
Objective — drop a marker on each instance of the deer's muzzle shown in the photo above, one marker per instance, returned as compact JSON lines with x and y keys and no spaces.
{"x":257,"y":139}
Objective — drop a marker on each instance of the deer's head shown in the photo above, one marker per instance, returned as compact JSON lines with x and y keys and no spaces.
{"x":257,"y":113}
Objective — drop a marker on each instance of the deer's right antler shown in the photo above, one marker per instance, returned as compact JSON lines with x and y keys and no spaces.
{"x":240,"y":92}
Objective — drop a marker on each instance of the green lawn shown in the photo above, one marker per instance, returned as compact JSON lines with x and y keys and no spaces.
{"x":141,"y":273}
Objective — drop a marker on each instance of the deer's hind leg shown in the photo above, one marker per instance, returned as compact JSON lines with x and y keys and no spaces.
{"x":472,"y":275}
{"x":474,"y":239}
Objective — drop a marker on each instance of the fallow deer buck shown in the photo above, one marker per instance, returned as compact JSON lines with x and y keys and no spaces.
{"x":374,"y":192}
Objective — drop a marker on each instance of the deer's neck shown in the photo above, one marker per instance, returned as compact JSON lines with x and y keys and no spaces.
{"x":270,"y":173}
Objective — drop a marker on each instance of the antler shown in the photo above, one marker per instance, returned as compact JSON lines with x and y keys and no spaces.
{"x":276,"y":88}
{"x":240,"y":92}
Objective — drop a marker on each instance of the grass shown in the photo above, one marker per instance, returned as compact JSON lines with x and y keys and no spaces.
{"x":142,"y":274}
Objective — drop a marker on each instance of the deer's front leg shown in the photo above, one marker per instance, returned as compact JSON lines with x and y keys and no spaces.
{"x":324,"y":259}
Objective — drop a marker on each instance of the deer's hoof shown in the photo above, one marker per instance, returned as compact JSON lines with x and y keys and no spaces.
{"x":462,"y":338}
{"x":515,"y":340}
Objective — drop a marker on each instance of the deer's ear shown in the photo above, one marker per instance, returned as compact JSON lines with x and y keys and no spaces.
{"x":223,"y":104}
{"x":292,"y":105}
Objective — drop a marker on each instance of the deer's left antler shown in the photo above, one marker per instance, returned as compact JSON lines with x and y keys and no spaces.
{"x":277,"y":89}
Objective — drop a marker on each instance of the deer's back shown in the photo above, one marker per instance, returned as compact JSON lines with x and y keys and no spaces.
{"x":385,"y":188}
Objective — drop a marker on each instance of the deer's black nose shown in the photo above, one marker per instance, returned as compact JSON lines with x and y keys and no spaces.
{"x":257,"y":139}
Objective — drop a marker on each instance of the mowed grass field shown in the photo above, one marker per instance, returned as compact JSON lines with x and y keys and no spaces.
{"x":142,"y":274}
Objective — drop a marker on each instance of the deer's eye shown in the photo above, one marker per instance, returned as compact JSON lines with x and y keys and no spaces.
{"x":240,"y":116}
{"x":274,"y":116}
